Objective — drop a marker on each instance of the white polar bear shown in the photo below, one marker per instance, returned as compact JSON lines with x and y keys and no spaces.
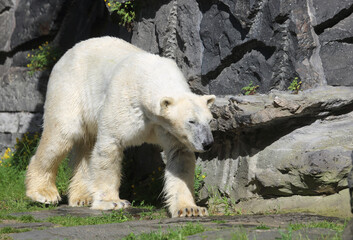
{"x":103,"y":96}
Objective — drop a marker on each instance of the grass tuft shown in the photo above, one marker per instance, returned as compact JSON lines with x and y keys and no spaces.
{"x":178,"y":233}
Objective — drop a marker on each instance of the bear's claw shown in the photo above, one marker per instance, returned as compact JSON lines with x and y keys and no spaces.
{"x":193,"y":211}
{"x":111,"y":205}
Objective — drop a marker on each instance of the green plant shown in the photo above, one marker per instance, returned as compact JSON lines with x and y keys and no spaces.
{"x":286,"y":235}
{"x":113,"y":217}
{"x":199,"y":181}
{"x":178,"y":233}
{"x":263,"y":227}
{"x":13,"y":165}
{"x":220,"y":204}
{"x":295,"y":85}
{"x":240,"y":235}
{"x":250,"y":89}
{"x":125,"y":11}
{"x":24,"y":150}
{"x":5,"y":230}
{"x":43,"y":58}
{"x":323,"y":224}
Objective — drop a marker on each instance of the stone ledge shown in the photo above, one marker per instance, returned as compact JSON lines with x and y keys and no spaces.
{"x":232,"y":113}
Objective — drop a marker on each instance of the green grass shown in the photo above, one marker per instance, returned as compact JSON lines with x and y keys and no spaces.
{"x":324,"y":224}
{"x":114,"y":217}
{"x":178,"y":233}
{"x":6,"y":230}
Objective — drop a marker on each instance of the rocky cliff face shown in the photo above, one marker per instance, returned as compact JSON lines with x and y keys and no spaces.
{"x":269,"y":145}
{"x":222,"y":46}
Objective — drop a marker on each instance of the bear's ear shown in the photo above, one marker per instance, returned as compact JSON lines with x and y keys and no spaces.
{"x":165,"y":103}
{"x":209,"y":99}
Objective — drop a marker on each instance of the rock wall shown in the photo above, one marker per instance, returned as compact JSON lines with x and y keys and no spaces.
{"x":224,"y":45}
{"x":273,"y":144}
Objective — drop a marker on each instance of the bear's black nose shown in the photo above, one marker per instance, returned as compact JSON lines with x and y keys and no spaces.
{"x":207,"y":145}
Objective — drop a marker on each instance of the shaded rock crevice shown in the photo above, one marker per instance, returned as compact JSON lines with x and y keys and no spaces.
{"x":344,"y":13}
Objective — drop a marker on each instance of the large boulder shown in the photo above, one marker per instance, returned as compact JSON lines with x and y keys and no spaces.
{"x":281,"y":144}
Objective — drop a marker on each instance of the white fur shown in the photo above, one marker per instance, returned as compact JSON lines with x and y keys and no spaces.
{"x":103,"y":96}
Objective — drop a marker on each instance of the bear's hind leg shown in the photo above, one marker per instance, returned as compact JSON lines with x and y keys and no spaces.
{"x":79,"y":194}
{"x":179,"y":184}
{"x":105,"y":175}
{"x":43,"y":167}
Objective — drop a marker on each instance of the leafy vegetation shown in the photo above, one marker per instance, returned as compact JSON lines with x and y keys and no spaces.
{"x":43,"y":58}
{"x":295,"y":86}
{"x":220,"y":204}
{"x":250,"y":89}
{"x":125,"y":11}
{"x":199,"y":181}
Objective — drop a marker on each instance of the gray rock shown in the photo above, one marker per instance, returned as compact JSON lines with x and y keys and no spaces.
{"x":252,"y":68}
{"x":120,"y":230}
{"x":348,"y":231}
{"x":7,"y":22}
{"x":20,"y":122}
{"x":342,"y":31}
{"x":323,"y":205}
{"x":220,"y":32}
{"x":337,"y":56}
{"x":21,"y":92}
{"x":269,"y":234}
{"x":311,"y":160}
{"x":35,"y":19}
{"x":328,"y":13}
{"x":8,"y":140}
{"x":278,"y":144}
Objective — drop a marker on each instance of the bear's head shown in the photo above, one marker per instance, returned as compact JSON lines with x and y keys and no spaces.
{"x":188,"y":119}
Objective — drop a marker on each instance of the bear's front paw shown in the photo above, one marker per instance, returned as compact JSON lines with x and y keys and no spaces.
{"x":110,"y":205}
{"x":191,"y":211}
{"x":46,"y":196}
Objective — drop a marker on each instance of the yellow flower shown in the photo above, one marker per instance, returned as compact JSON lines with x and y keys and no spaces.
{"x":28,"y":55}
{"x":203,"y":176}
{"x":132,"y":186}
{"x":0,"y":162}
{"x":6,"y":156}
{"x":109,"y":4}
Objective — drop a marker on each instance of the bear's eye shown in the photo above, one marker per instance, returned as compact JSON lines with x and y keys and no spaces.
{"x":192,"y":122}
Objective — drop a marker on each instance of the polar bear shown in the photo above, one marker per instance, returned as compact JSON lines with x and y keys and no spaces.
{"x":104,"y":95}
